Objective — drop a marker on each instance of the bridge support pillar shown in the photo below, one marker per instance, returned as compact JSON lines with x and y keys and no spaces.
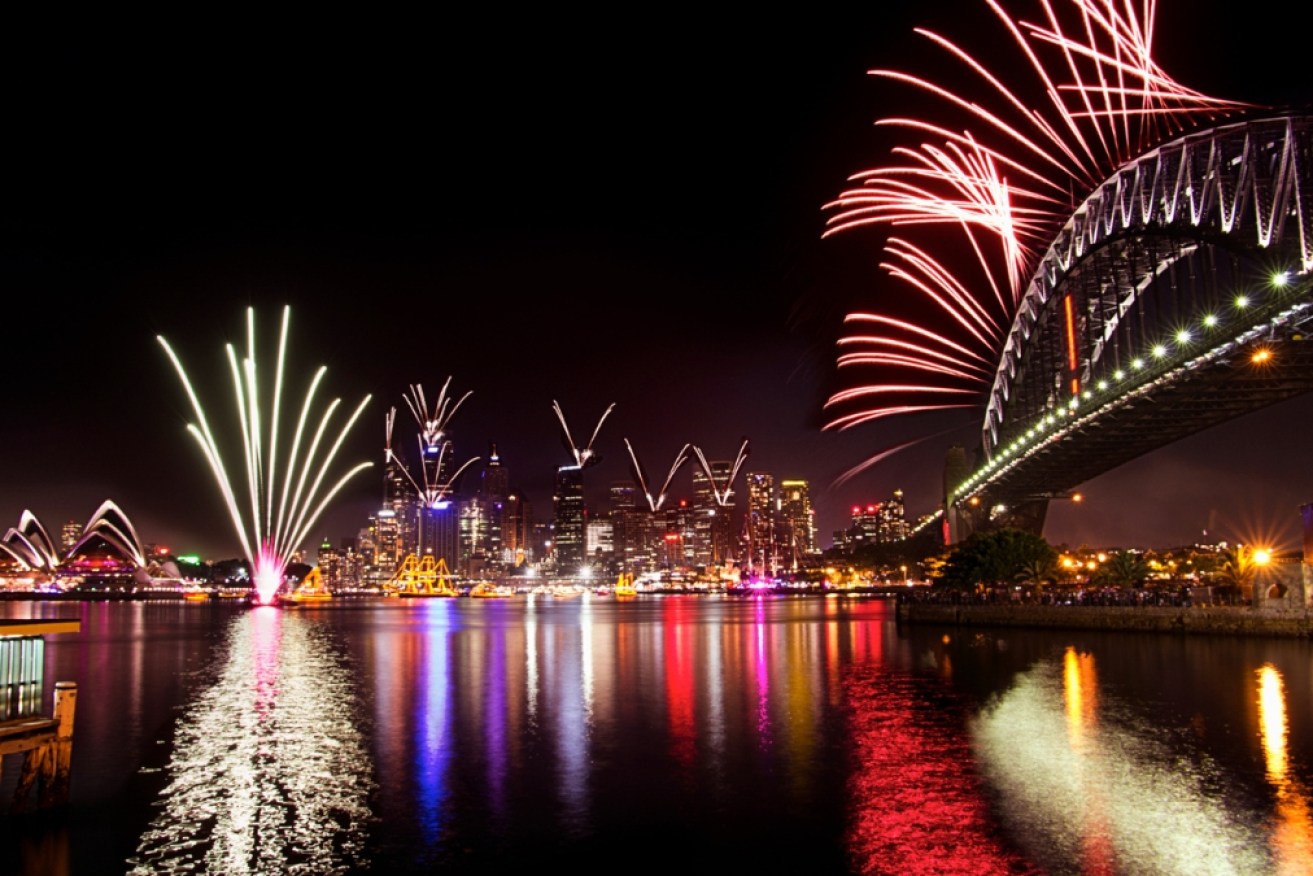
{"x":1304,"y":599}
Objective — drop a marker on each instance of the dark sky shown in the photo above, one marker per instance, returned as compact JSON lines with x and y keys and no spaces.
{"x":542,"y":206}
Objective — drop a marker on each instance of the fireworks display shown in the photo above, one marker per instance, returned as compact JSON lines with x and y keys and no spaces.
{"x":585,"y":456}
{"x":285,"y":492}
{"x":722,"y":491}
{"x":969,"y":211}
{"x":654,"y":503}
{"x":435,"y":483}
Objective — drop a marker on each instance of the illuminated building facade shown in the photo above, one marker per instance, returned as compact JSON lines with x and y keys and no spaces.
{"x":759,"y":527}
{"x":517,"y":531}
{"x":892,"y":524}
{"x":568,"y":519}
{"x":70,"y":535}
{"x":797,"y":520}
{"x":713,"y":523}
{"x":628,"y":526}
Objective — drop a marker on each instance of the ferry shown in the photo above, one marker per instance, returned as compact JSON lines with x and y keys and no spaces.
{"x":490,"y":590}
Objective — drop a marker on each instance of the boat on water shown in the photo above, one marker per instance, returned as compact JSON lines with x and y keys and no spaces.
{"x":310,"y":591}
{"x":421,"y":579}
{"x":490,"y":590}
{"x":624,"y":586}
{"x":196,"y":595}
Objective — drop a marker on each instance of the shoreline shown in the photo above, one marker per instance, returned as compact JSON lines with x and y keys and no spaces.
{"x":1177,"y":620}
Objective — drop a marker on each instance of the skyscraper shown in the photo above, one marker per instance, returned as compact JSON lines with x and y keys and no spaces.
{"x":893,"y":524}
{"x":760,"y":523}
{"x":713,"y":522}
{"x":568,"y":520}
{"x":797,"y":521}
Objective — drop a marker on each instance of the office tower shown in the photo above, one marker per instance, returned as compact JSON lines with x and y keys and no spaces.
{"x":627,"y":526}
{"x":713,"y":522}
{"x":865,"y":526}
{"x":494,"y":490}
{"x":893,"y":519}
{"x":69,"y":536}
{"x":599,"y":543}
{"x":759,"y":526}
{"x":569,"y":515}
{"x":329,"y":561}
{"x":797,"y":521}
{"x":517,"y":546}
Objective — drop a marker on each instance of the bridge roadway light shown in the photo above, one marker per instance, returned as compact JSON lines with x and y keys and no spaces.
{"x":1210,"y":321}
{"x":1242,"y":301}
{"x":1280,"y":279}
{"x":1261,"y":355}
{"x":1159,"y":351}
{"x":1183,"y":337}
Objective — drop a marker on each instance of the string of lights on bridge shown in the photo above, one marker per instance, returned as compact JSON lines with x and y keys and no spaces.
{"x":1112,"y":391}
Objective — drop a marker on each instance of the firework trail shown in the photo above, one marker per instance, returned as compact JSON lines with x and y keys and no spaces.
{"x":433,"y":424}
{"x":654,"y":504}
{"x":432,"y":488}
{"x":268,"y":535}
{"x":993,"y":194}
{"x":723,"y":492}
{"x":586,"y":456}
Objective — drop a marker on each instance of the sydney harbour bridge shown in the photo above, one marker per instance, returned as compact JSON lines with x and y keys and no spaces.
{"x":1176,"y":296}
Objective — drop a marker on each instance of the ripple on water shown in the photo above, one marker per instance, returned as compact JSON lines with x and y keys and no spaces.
{"x":1088,"y":786}
{"x":270,"y":772}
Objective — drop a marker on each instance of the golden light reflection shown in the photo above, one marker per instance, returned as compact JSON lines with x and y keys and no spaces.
{"x":1080,"y":694}
{"x":1292,"y":835}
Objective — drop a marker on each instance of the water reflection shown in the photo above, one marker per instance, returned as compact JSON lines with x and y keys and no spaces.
{"x":269,"y":771}
{"x":1089,"y":786}
{"x":1292,"y":835}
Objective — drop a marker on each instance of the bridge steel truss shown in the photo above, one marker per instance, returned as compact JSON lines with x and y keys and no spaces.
{"x":1177,"y":296}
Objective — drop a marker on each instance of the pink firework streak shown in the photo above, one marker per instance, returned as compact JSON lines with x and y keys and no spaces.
{"x":977,"y":195}
{"x":285,"y":490}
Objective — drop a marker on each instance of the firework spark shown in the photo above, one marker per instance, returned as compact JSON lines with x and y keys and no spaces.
{"x":433,"y":424}
{"x":722,"y":491}
{"x":269,"y":535}
{"x":654,"y":503}
{"x":586,"y":456}
{"x":993,"y":194}
{"x":434,"y":485}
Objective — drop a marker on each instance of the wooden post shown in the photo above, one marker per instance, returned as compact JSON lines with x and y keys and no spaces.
{"x":59,"y":761}
{"x":49,"y":764}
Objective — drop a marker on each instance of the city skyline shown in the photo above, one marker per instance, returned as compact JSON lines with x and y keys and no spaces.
{"x":652,"y":244}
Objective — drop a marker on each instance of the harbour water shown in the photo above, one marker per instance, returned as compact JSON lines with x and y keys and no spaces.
{"x":774,"y":734}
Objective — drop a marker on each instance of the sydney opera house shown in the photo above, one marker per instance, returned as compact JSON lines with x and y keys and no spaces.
{"x":107,"y":555}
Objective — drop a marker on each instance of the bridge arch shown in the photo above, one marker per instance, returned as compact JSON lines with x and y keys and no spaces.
{"x":1139,"y":323}
{"x":1164,"y":241}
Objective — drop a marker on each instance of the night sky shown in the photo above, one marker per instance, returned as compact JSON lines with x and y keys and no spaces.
{"x":541,"y":206}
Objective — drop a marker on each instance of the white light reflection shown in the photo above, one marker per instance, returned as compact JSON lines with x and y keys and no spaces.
{"x":269,"y":772}
{"x":1070,"y":786}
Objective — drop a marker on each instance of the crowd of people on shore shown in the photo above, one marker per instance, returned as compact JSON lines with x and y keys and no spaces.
{"x":1163,"y":597}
